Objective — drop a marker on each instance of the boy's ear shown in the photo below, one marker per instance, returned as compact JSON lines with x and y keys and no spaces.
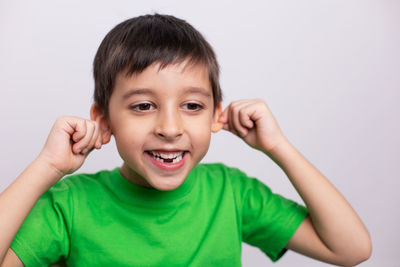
{"x":97,"y":114}
{"x":216,"y":124}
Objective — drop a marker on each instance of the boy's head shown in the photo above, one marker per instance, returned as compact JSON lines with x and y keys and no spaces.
{"x":157,"y":91}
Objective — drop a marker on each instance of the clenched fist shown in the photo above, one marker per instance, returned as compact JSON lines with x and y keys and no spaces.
{"x":70,"y":141}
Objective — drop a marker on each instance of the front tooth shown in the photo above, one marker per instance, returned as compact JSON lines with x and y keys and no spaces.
{"x":170,"y":155}
{"x":179,"y":155}
{"x":166,"y":156}
{"x":178,"y":158}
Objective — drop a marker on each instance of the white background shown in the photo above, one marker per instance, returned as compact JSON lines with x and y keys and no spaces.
{"x":329,"y":71}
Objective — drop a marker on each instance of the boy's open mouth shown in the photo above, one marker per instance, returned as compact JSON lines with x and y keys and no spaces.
{"x":167,"y":157}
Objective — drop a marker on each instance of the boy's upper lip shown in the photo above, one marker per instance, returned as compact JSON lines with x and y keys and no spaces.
{"x":167,"y":150}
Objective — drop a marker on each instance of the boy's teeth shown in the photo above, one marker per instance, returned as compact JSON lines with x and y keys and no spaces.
{"x":178,"y":158}
{"x":167,"y":155}
{"x":170,"y":155}
{"x":160,"y":156}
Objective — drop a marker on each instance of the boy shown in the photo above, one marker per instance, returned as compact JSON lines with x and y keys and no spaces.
{"x":157,"y":93}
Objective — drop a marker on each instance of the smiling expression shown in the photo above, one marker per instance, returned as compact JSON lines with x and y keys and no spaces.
{"x":162,"y":121}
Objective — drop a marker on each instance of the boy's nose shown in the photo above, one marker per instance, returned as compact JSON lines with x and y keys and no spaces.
{"x":169,"y":126}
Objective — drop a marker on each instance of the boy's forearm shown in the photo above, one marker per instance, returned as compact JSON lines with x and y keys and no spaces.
{"x":336,"y":223}
{"x":18,"y":199}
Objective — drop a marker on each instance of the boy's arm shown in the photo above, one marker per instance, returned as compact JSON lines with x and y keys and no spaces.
{"x":66,"y":148}
{"x":332,"y":232}
{"x":12,"y":260}
{"x":18,"y":200}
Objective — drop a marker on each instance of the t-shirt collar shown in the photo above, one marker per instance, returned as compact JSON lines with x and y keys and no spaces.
{"x":151,"y":197}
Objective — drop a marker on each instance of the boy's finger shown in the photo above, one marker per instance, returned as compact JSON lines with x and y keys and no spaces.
{"x":245,"y":118}
{"x":83,"y":145}
{"x":99,"y":142}
{"x":224,"y":115}
{"x":239,"y":111}
{"x":232,"y":122}
{"x":226,"y":127}
{"x":225,"y":118}
{"x":80,"y":129}
{"x":99,"y":138}
{"x":94,"y":136}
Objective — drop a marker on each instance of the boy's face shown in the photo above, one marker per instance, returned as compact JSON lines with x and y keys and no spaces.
{"x":162,"y":122}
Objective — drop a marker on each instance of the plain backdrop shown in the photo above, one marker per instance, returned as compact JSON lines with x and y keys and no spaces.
{"x":329,"y":71}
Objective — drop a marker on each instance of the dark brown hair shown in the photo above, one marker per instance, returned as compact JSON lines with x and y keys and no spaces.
{"x":137,"y":43}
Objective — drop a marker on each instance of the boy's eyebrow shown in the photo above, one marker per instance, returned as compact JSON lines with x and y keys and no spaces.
{"x":197,"y":90}
{"x":138,"y":91}
{"x":147,"y":91}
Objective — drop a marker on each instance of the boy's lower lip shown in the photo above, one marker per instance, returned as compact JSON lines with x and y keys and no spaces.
{"x":167,"y":166}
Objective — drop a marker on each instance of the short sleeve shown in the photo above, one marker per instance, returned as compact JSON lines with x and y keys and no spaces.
{"x":43,"y":238}
{"x":269,"y":220}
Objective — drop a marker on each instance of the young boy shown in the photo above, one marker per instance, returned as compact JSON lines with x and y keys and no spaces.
{"x":157,"y":92}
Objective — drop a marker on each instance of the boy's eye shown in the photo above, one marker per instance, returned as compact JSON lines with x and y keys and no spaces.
{"x":192,"y":106}
{"x":143,"y":107}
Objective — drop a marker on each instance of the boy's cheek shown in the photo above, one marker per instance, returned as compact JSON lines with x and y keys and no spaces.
{"x":200,"y":129}
{"x":200,"y":137}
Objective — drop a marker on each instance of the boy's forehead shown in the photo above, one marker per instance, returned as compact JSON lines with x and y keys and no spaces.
{"x":185,"y":68}
{"x":180,"y":74}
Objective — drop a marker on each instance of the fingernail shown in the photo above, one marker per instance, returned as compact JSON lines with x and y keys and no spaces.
{"x":85,"y":151}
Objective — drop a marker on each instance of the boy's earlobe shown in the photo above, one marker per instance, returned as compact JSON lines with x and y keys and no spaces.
{"x":98,"y":115}
{"x":217,"y":125}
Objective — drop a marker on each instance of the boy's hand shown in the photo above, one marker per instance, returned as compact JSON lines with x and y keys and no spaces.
{"x":70,"y":141}
{"x":252,"y":121}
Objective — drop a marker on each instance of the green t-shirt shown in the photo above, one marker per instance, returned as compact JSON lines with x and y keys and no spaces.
{"x":103,"y":219}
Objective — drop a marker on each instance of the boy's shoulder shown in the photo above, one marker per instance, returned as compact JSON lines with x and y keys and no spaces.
{"x":85,"y":181}
{"x":94,"y":176}
{"x":223,"y":172}
{"x":88,"y":175}
{"x":219,"y":169}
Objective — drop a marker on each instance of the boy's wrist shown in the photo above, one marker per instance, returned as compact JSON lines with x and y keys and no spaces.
{"x":279,"y":152}
{"x":44,"y":166}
